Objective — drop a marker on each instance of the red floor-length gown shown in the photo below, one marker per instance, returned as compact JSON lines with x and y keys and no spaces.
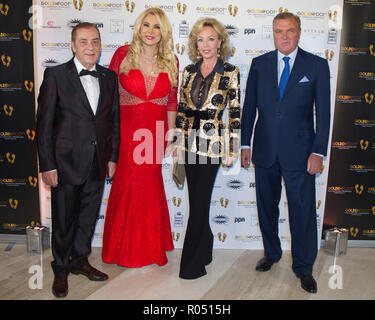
{"x":137,"y":228}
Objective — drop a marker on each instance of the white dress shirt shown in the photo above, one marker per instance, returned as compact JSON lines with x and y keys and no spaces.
{"x":90,"y":84}
{"x":281,"y":63}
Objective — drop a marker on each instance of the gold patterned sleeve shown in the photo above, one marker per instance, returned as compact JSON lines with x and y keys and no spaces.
{"x":234,"y":113}
{"x":181,"y":111}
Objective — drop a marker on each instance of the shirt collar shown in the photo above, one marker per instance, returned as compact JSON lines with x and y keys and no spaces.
{"x":291,"y":55}
{"x":80,"y":67}
{"x":219,"y":66}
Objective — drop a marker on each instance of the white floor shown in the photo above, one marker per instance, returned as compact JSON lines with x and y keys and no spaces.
{"x":231,"y":276}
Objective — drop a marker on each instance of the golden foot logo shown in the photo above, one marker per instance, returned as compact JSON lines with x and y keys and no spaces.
{"x":372,"y":51}
{"x":33,"y":181}
{"x":176,"y":236}
{"x":364,"y":144}
{"x":27,"y":35}
{"x":234,"y":11}
{"x":11,"y":157}
{"x":354,"y":232}
{"x":8,"y":110}
{"x":329,"y":55}
{"x":129,"y":6}
{"x":176,"y":201}
{"x":29,"y":85}
{"x":30,"y":134}
{"x":183,"y":10}
{"x":281,"y":10}
{"x":78,"y":6}
{"x":369,"y":97}
{"x":178,"y":49}
{"x":13,"y":203}
{"x":222,"y":237}
{"x":6,"y":60}
{"x":4,"y":8}
{"x":319,"y":204}
{"x":332,"y":15}
{"x":359,"y":189}
{"x":224,"y":202}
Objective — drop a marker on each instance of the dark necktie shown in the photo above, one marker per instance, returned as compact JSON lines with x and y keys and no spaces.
{"x":284,"y":77}
{"x":85,"y":72}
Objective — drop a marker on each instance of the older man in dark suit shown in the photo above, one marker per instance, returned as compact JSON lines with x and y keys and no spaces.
{"x":78,"y":141}
{"x":283,"y":86}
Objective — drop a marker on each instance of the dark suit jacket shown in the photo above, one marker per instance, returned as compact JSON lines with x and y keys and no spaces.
{"x":68,"y":132}
{"x":286,"y":129}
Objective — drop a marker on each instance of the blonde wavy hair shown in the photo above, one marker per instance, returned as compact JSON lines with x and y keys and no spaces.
{"x":166,"y":60}
{"x":222,"y":33}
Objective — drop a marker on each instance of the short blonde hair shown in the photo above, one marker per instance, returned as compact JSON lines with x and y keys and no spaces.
{"x":221,"y":32}
{"x":166,"y":58}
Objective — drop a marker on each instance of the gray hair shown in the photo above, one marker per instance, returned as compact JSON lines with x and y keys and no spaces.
{"x":287,"y":15}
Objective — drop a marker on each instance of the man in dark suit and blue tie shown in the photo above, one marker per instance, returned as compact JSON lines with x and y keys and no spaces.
{"x":78,"y":136}
{"x":282,"y":88}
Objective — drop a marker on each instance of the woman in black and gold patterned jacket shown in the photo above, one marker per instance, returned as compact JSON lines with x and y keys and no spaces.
{"x":207,"y":88}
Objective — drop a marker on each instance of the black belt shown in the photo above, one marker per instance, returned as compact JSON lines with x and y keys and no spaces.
{"x":198,"y":115}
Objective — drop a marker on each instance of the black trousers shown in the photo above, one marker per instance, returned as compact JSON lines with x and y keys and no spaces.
{"x":198,"y":243}
{"x":75,"y":209}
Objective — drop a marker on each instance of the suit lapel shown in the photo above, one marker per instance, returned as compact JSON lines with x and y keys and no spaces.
{"x":295,"y":75}
{"x":273,"y":71}
{"x":102,"y":76}
{"x":77,"y":85}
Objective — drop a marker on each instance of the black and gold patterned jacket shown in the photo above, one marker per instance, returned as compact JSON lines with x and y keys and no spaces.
{"x":210,"y":137}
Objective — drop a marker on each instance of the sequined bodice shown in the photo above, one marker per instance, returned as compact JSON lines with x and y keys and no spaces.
{"x":136,"y":88}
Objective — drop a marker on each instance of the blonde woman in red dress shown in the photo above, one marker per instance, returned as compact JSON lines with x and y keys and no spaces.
{"x":137,"y":228}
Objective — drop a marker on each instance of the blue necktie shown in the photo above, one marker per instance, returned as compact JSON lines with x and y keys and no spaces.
{"x":284,"y":77}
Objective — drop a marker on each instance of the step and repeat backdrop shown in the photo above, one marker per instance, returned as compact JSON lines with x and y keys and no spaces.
{"x":19,"y":193}
{"x":350,"y":197}
{"x":233,"y":215}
